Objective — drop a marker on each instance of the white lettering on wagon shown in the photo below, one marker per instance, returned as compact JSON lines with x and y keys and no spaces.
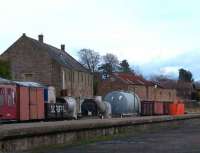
{"x":57,"y":108}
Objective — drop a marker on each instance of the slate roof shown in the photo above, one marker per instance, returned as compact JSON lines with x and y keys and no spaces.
{"x":29,"y":84}
{"x":21,"y":83}
{"x":2,"y":80}
{"x":130,"y":78}
{"x":61,"y":57}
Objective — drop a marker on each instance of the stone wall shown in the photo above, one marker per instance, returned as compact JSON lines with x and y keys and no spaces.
{"x":31,"y":62}
{"x":144,"y":92}
{"x":77,"y":84}
{"x":28,"y":63}
{"x":29,"y":136}
{"x":159,"y":94}
{"x":192,"y":107}
{"x":106,"y":86}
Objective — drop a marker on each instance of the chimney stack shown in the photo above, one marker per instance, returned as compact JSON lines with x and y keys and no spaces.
{"x":62,"y":47}
{"x":40,"y":38}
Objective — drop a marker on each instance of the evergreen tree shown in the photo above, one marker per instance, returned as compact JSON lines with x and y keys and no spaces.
{"x":124,"y":66}
{"x":5,"y":69}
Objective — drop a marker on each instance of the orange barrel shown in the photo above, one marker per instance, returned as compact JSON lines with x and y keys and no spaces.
{"x":180,"y":109}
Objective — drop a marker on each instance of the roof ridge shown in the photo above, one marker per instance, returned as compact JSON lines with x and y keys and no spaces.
{"x":55,"y":49}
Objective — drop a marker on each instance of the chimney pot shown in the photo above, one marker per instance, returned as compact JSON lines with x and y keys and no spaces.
{"x":24,"y":34}
{"x":62,"y":47}
{"x":40,"y":38}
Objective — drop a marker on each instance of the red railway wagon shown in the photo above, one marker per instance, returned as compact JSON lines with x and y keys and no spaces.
{"x":149,"y":108}
{"x":8,"y":102}
{"x":166,"y":107}
{"x":158,"y":108}
{"x":21,"y":102}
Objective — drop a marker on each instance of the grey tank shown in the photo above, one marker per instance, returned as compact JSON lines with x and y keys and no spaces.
{"x":123,"y":102}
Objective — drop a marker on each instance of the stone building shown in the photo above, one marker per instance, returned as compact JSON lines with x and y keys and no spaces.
{"x":185,"y":90}
{"x":34,"y":60}
{"x":145,"y":89}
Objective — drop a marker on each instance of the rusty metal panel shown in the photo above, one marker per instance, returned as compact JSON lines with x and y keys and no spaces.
{"x":33,"y":112}
{"x":33,"y":103}
{"x":33,"y":96}
{"x":40,"y":103}
{"x":166,"y":108}
{"x":147,"y":108}
{"x":158,"y":108}
{"x":23,"y":100}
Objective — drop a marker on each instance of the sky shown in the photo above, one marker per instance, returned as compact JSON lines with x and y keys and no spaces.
{"x":155,"y":36}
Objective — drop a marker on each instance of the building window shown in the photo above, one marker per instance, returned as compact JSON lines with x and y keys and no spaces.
{"x":70,"y":76}
{"x":1,"y":100}
{"x":85,"y":79}
{"x":11,"y":97}
{"x":88,"y":80}
{"x":73,"y":76}
{"x":66,"y":76}
{"x":78,"y":77}
{"x":1,"y":96}
{"x":28,"y":76}
{"x":169,"y":94}
{"x":63,"y":79}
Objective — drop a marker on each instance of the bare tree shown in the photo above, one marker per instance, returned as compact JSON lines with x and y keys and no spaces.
{"x":90,"y":59}
{"x":109,"y":64}
{"x":165,"y":81}
{"x":112,"y":60}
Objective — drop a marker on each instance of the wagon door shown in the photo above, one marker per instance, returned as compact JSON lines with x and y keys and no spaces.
{"x":33,"y":104}
{"x":8,"y":103}
{"x":40,"y":103}
{"x":23,"y":103}
{"x":11,"y":103}
{"x":2,"y":103}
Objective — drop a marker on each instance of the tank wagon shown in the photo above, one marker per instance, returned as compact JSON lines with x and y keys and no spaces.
{"x":89,"y":108}
{"x":123,"y":103}
{"x":96,"y":107}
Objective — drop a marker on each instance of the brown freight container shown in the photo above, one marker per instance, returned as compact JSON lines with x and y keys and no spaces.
{"x":166,"y":108}
{"x":158,"y":108}
{"x":147,"y":108}
{"x":23,"y":103}
{"x":40,"y":103}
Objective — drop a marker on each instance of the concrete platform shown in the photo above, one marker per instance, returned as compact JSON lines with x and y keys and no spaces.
{"x":25,"y":136}
{"x":172,"y":139}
